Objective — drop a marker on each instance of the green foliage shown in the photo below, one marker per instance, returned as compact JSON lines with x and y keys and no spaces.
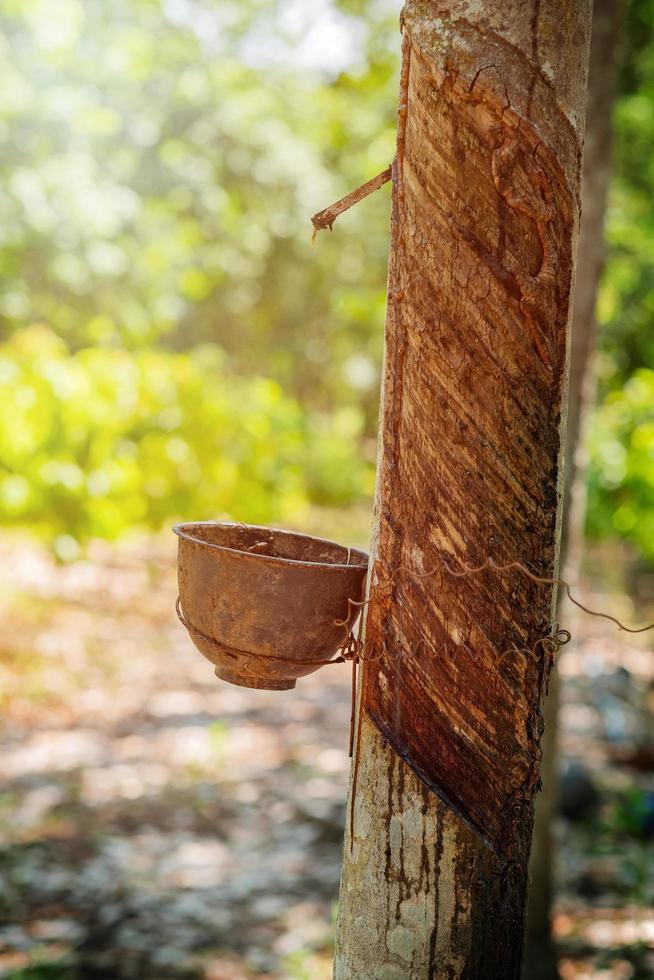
{"x":97,"y":441}
{"x":634,"y":814}
{"x":621,"y":498}
{"x":159,"y":163}
{"x":43,"y":971}
{"x":621,"y":490}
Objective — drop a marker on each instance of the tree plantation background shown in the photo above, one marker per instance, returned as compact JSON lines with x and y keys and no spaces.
{"x":170,"y":343}
{"x":171,"y":347}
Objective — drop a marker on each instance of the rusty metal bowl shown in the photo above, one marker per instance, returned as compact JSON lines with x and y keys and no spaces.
{"x":260,"y":603}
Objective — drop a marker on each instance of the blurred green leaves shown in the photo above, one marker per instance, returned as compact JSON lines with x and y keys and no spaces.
{"x":162,"y":161}
{"x":159,"y":162}
{"x":98,"y":441}
{"x":621,"y":490}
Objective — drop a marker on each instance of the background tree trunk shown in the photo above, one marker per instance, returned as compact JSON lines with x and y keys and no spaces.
{"x":485,"y":213}
{"x":540,"y":953}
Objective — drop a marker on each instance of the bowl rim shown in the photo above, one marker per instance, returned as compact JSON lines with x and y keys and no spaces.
{"x":181,"y":530}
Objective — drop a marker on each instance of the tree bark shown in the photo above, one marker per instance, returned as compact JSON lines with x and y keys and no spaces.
{"x":483,"y":234}
{"x":540,"y":954}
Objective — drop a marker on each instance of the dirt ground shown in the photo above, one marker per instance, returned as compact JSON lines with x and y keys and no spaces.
{"x":156,"y":823}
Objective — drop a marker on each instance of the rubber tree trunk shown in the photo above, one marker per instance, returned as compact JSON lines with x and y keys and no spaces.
{"x":540,"y":956}
{"x":483,"y":235}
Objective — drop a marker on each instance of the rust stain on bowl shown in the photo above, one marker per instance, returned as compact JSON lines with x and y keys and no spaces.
{"x":261,"y":603}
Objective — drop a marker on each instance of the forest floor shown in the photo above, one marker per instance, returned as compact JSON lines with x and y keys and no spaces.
{"x":156,"y":823}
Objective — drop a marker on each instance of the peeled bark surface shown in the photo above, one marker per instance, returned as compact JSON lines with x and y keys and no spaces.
{"x":484,"y":222}
{"x":540,"y":957}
